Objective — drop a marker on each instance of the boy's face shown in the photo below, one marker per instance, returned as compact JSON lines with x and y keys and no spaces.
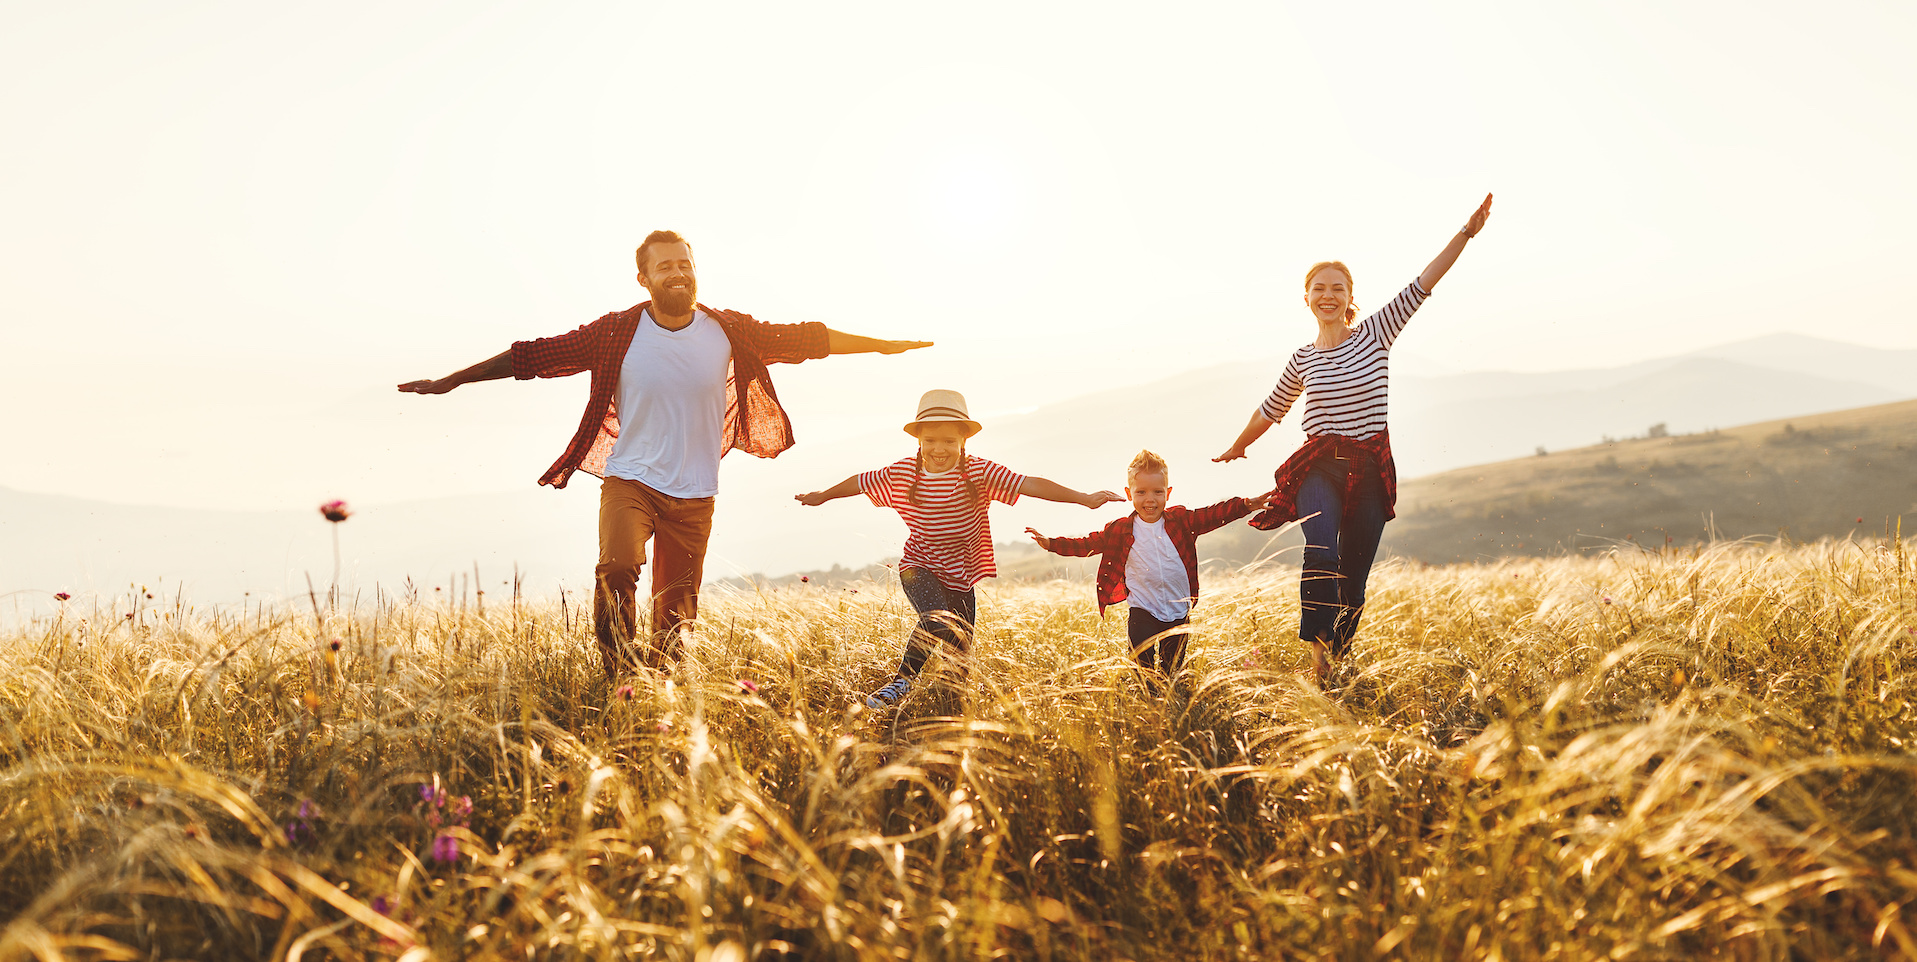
{"x":1149,"y":494}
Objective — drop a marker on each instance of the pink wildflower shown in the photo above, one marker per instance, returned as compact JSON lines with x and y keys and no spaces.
{"x":749,"y":685}
{"x":445,"y":848}
{"x":625,"y":692}
{"x":335,"y":511}
{"x":61,"y":596}
{"x":1607,"y":599}
{"x":804,"y":578}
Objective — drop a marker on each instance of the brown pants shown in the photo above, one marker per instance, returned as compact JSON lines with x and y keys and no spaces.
{"x":629,"y":513}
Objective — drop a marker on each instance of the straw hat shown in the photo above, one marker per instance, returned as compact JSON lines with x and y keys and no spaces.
{"x":943,"y":407}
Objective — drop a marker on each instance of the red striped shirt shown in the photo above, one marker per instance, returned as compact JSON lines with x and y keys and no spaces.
{"x":950,"y":534}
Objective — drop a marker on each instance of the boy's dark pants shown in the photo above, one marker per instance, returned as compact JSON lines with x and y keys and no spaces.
{"x":1152,"y":646}
{"x":944,"y":615}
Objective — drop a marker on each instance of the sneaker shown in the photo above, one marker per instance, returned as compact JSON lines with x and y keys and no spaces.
{"x":890,"y":694}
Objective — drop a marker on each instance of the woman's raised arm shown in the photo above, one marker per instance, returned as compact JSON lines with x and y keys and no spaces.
{"x":1434,"y":272}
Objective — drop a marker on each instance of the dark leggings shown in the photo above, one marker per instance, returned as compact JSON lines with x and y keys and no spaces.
{"x":1167,"y":654}
{"x":1340,"y":544}
{"x":944,"y":615}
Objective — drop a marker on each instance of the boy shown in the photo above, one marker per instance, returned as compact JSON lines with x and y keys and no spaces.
{"x":1151,"y":558}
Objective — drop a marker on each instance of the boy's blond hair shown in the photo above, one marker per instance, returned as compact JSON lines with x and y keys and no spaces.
{"x":1146,"y":463}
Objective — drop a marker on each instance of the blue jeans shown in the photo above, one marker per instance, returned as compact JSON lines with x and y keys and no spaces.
{"x":944,"y":615}
{"x":1340,"y":544}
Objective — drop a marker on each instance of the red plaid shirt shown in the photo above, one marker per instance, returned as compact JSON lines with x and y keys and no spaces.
{"x":755,"y":423}
{"x":1290,"y":475}
{"x":1182,"y":525}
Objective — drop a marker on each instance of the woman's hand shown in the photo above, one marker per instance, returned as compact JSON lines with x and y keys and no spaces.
{"x":1043,"y":541}
{"x":1234,"y":453}
{"x":812,"y":499}
{"x":1478,"y":217}
{"x":1097,"y":498}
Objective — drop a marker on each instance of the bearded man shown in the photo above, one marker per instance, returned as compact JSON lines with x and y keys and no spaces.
{"x":675,"y":385}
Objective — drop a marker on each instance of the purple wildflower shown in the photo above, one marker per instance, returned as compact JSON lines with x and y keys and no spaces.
{"x":445,"y":849}
{"x":382,"y":906}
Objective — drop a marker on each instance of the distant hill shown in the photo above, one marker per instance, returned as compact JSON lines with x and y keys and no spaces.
{"x":1804,"y":478}
{"x":1439,"y":425}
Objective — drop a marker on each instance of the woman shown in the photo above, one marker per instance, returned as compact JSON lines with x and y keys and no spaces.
{"x":1342,"y":481}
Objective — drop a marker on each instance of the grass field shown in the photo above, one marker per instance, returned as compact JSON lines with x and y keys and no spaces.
{"x":1677,"y":755}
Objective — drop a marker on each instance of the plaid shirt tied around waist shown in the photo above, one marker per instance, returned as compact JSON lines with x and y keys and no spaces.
{"x":1374,"y":452}
{"x":1114,"y":544}
{"x":755,"y":423}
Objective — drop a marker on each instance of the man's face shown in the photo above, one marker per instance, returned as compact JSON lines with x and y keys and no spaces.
{"x":670,"y":278}
{"x":1149,"y":492}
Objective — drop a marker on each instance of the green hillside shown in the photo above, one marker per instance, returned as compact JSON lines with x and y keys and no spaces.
{"x":1827,"y":475}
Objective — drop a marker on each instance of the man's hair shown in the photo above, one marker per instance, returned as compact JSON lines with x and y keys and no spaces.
{"x":657,"y":237}
{"x":1146,"y":463}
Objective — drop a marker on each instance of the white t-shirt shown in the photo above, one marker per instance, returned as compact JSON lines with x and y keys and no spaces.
{"x":671,"y":404}
{"x":1155,"y":579}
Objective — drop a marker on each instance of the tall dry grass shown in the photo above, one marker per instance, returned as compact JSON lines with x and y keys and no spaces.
{"x":1636,"y":756}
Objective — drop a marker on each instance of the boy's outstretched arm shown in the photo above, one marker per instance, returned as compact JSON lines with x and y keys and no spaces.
{"x":844,"y":489}
{"x":1053,"y":491}
{"x":1214,"y":516}
{"x":1091,"y":544}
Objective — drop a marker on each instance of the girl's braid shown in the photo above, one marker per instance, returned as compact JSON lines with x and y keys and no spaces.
{"x":965,"y":474}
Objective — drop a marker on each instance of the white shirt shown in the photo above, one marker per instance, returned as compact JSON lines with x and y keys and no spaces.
{"x":1155,"y":579}
{"x":671,"y":405}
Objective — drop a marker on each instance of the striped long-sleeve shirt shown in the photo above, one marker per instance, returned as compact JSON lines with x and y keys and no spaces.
{"x":1347,"y":387}
{"x":950,"y":534}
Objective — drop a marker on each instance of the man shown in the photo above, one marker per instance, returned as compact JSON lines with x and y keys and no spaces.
{"x":675,"y":385}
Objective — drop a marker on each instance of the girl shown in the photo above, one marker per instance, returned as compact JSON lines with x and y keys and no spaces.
{"x":942,"y":494}
{"x":1342,"y":480}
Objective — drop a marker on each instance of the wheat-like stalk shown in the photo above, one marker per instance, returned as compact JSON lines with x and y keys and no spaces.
{"x":1631,"y":756}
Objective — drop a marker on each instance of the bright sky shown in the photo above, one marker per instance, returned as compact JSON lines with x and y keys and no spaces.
{"x":228,"y":229}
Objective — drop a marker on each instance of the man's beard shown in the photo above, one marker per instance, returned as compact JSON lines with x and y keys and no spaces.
{"x":674,"y":301}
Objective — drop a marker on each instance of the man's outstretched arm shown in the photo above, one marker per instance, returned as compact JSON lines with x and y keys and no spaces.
{"x":839,"y":342}
{"x":491,"y":369}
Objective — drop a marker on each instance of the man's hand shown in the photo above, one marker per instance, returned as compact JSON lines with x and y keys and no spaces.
{"x":1262,"y":501}
{"x":839,"y":342}
{"x":490,"y":369}
{"x":1043,"y":541}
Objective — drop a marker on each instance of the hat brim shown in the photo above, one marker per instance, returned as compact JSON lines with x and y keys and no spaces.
{"x":970,"y":427}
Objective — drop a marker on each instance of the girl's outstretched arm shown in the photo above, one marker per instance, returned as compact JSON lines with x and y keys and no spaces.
{"x":844,"y":489}
{"x":1254,"y":429}
{"x":1449,"y":256}
{"x":1053,"y":491}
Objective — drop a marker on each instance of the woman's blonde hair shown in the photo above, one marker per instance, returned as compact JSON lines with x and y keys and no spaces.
{"x":1351,"y":310}
{"x":1146,"y":463}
